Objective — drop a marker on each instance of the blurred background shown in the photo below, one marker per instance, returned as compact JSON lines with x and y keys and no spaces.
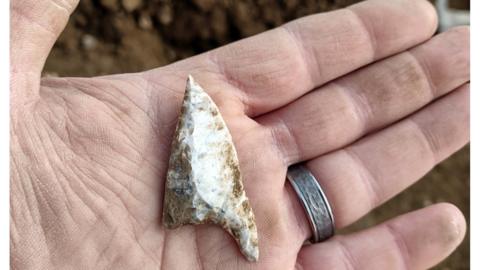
{"x":117,"y":36}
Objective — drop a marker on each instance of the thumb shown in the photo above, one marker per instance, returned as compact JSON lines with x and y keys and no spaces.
{"x":35,"y":26}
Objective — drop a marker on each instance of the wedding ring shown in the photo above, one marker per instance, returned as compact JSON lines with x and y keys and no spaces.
{"x":314,"y":202}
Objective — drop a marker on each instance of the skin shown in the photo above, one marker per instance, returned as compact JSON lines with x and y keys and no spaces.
{"x":365,"y":96}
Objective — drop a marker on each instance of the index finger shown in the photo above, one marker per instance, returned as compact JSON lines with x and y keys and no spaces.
{"x":271,"y":69}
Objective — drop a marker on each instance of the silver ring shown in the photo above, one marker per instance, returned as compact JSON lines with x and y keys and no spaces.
{"x":314,"y":201}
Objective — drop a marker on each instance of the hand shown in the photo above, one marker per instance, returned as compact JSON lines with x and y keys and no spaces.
{"x":364,"y":95}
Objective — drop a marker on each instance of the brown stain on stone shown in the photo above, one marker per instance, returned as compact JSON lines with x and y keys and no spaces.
{"x":233,"y":166}
{"x":219,"y":125}
{"x":251,"y":224}
{"x":236,"y":233}
{"x":246,"y":206}
{"x":255,"y":242}
{"x":179,"y":168}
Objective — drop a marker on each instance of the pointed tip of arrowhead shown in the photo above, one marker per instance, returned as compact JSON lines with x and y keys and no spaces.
{"x":193,"y":88}
{"x":190,"y":81}
{"x":192,"y":85}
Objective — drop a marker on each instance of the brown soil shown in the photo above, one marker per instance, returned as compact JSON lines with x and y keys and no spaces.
{"x":117,"y":36}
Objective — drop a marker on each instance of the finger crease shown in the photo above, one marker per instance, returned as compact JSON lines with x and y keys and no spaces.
{"x":198,"y":256}
{"x":429,"y":141}
{"x":425,"y":69}
{"x":291,"y":149}
{"x":369,"y":31}
{"x":401,"y":246}
{"x":302,"y":52}
{"x":349,"y":259}
{"x":63,"y":5}
{"x":360,"y":107}
{"x":366,"y":176}
{"x":24,"y":15}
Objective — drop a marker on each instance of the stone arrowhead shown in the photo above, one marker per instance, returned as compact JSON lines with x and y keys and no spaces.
{"x":204,"y":184}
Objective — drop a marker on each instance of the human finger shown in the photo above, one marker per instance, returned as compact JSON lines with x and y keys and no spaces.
{"x":271,"y":69}
{"x":35,"y":26}
{"x":417,"y":240}
{"x":370,"y":98}
{"x":362,"y":176}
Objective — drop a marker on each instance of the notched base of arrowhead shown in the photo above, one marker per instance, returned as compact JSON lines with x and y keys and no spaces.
{"x":204,"y":183}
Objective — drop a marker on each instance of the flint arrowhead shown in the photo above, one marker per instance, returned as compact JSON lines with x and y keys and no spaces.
{"x":204,"y":183}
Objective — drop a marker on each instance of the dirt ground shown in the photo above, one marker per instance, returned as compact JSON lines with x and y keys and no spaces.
{"x":117,"y":36}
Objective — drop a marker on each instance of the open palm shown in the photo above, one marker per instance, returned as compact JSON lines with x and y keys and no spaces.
{"x":363,"y":95}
